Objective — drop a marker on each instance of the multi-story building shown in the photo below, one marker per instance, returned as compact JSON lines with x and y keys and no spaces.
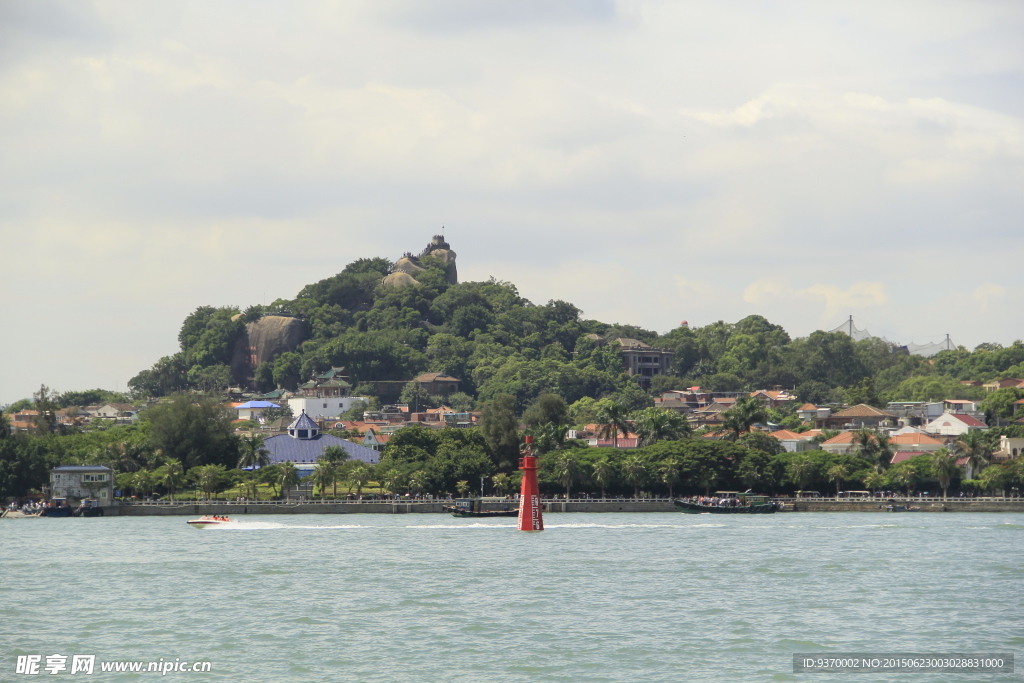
{"x":83,"y":481}
{"x":643,"y":359}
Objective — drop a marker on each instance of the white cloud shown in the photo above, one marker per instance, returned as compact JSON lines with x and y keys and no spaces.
{"x":650,"y":161}
{"x":832,"y":300}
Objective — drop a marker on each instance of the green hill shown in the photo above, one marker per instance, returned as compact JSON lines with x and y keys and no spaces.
{"x":497,"y":342}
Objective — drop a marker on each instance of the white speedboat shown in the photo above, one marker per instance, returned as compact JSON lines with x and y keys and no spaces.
{"x":209,"y":520}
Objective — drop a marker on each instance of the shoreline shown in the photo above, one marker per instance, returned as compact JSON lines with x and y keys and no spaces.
{"x":436,"y":507}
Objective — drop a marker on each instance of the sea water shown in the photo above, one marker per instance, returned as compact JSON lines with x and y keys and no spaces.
{"x":595,"y":597}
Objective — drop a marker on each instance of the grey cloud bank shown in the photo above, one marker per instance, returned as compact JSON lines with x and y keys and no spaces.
{"x":649,"y":161}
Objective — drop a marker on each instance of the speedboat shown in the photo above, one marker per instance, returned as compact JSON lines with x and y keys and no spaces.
{"x":209,"y":520}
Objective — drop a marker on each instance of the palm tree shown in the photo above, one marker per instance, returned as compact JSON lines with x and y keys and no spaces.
{"x":548,"y":437}
{"x":360,"y":475}
{"x":874,"y":481}
{"x":254,"y":453}
{"x":289,"y":476}
{"x":418,"y":481}
{"x":389,"y":480}
{"x":634,"y":470}
{"x":866,"y":446}
{"x":251,"y":486}
{"x":655,"y":424}
{"x":565,"y":469}
{"x":747,"y":412}
{"x":670,"y":472}
{"x":501,"y":483}
{"x":944,"y":468}
{"x":324,"y":474}
{"x":975,"y":446}
{"x":123,"y":457}
{"x":603,"y":472}
{"x":904,"y":475}
{"x":611,"y":417}
{"x":884,"y":451}
{"x":874,"y":447}
{"x":801,"y":470}
{"x":336,"y":456}
{"x":996,"y":478}
{"x":462,"y":486}
{"x":208,"y":477}
{"x":142,"y":482}
{"x":838,"y":474}
{"x":173,"y":472}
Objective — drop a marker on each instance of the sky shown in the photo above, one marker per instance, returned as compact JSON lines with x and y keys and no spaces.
{"x":649,"y":161}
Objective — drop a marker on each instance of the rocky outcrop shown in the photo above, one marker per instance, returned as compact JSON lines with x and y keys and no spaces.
{"x":400,"y":279}
{"x":264,"y":340}
{"x":409,"y":266}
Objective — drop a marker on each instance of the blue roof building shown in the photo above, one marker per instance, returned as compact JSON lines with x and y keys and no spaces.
{"x":304,"y":444}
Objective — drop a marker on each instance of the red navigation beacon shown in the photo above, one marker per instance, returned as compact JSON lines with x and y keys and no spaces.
{"x":531,"y":516}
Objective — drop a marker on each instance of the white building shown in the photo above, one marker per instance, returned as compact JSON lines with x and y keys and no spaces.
{"x":954,"y":424}
{"x":83,"y":481}
{"x":1011,"y":447}
{"x":326,"y":407}
{"x":793,"y":442}
{"x":251,"y":410}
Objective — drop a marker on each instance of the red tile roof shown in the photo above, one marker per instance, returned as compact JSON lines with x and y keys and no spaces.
{"x":968,"y":420}
{"x":808,"y":406}
{"x":862,"y":410}
{"x":787,"y":435}
{"x":842,"y":437}
{"x":901,"y":456}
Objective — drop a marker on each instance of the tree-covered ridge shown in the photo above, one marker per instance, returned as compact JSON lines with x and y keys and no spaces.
{"x":497,"y":342}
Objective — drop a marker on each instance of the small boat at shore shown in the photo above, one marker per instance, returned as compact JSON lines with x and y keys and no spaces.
{"x":483,"y":507}
{"x":903,"y":508}
{"x":743,"y":505}
{"x":209,"y":520}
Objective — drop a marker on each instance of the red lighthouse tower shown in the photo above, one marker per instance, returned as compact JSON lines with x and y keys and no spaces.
{"x":531,"y":517}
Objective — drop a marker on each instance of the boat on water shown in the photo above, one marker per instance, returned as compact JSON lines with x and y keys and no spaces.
{"x":903,"y":508}
{"x":734,"y":504}
{"x":209,"y":520}
{"x":483,"y":507}
{"x":58,"y":507}
{"x":89,"y":508}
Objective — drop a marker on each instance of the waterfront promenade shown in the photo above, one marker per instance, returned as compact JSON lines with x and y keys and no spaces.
{"x":402,"y":506}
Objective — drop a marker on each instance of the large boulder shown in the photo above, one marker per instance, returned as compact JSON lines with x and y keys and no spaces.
{"x":265,"y":340}
{"x":400,"y":279}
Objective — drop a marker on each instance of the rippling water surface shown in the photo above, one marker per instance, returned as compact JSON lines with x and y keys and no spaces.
{"x":595,"y":597}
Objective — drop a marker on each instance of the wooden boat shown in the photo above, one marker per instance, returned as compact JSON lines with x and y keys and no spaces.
{"x":751,"y":505}
{"x":483,"y":507}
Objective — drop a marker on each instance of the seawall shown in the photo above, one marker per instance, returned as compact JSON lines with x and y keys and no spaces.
{"x":436,"y":506}
{"x":926,"y":505}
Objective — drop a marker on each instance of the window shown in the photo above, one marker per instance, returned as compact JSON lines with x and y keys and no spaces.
{"x":325,"y":405}
{"x":94,"y":477}
{"x":302,"y":433}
